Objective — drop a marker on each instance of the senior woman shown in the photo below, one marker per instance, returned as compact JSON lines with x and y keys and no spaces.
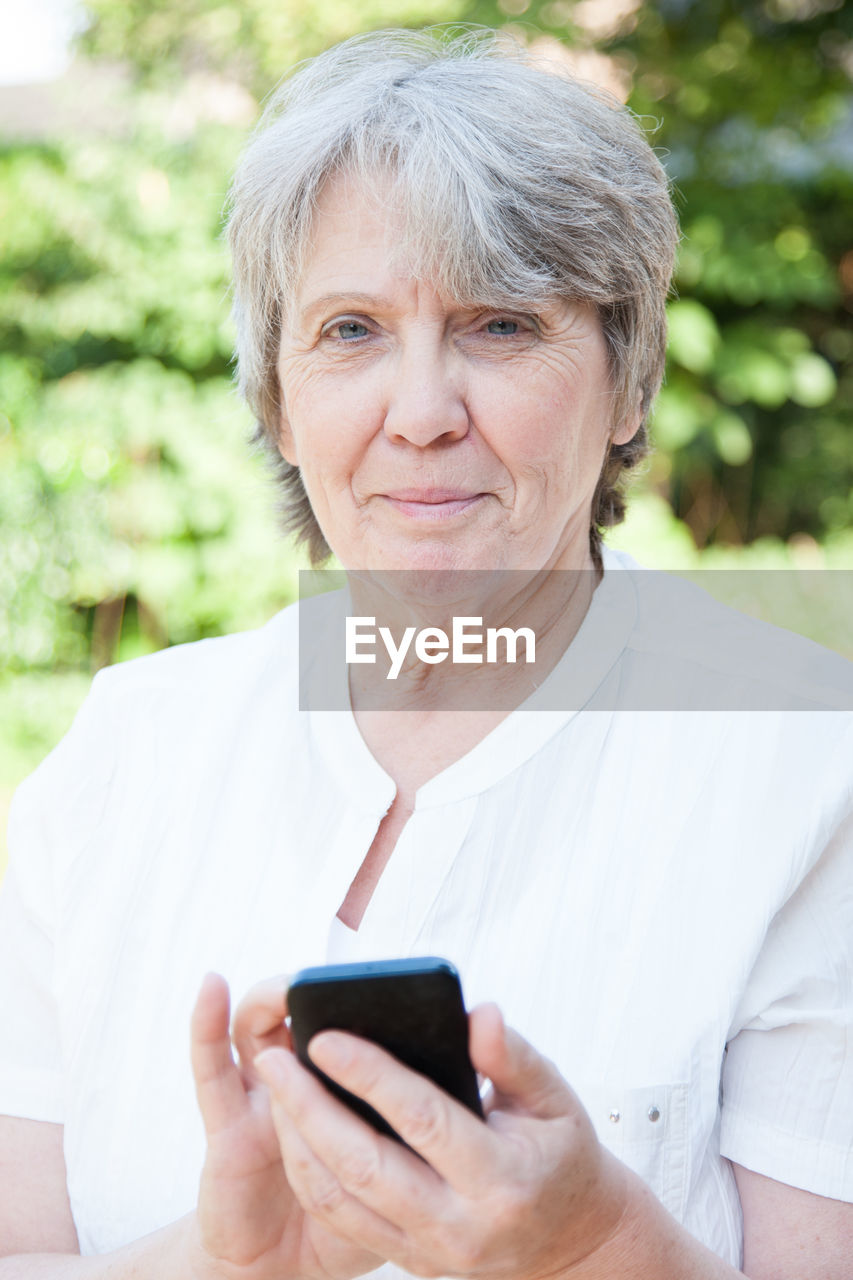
{"x":451,"y":268}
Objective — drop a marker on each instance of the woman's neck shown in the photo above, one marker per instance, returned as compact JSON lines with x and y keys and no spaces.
{"x":476,"y":642}
{"x":431,"y":714}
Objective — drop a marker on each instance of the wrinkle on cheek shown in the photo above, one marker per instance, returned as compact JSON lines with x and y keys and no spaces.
{"x":534,"y":480}
{"x":296,"y":378}
{"x":571,"y":347}
{"x":568,"y":363}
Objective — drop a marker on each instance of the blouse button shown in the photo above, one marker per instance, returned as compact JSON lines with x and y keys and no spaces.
{"x":615,"y":1116}
{"x":654,"y":1113}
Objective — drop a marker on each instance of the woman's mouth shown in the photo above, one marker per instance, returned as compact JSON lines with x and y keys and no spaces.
{"x":431,"y":504}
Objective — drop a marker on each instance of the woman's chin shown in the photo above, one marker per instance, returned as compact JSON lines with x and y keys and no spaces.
{"x":436,"y":573}
{"x":427,"y":556}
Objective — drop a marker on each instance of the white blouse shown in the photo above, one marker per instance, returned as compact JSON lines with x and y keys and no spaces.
{"x":661,"y":901}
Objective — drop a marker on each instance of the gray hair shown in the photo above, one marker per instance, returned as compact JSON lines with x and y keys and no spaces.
{"x":515,"y":184}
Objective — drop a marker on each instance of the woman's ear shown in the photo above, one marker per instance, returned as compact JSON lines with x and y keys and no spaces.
{"x":284,"y":435}
{"x":285,"y":441}
{"x":627,"y":429}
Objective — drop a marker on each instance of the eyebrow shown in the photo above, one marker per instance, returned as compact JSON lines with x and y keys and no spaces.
{"x":361,"y":299}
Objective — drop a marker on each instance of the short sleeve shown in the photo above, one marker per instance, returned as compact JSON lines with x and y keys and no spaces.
{"x":52,"y":814}
{"x":787,"y":1102}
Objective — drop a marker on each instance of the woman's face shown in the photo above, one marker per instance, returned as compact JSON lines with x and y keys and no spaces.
{"x":434,"y":436}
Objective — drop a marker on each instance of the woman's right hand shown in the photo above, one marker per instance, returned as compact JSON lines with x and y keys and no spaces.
{"x":249,"y":1225}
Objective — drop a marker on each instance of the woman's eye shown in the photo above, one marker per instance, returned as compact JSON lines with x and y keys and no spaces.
{"x":503,"y":328}
{"x":349,"y":329}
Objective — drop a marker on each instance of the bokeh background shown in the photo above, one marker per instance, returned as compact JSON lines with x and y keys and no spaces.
{"x":133,"y":514}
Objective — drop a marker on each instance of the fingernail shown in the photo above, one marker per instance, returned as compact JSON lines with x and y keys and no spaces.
{"x":329,"y":1049}
{"x":271,"y":1065}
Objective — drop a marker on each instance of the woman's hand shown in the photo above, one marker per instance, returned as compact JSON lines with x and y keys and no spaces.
{"x":529,"y":1194}
{"x":248,"y":1223}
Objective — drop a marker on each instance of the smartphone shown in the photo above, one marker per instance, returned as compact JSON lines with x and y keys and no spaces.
{"x":412,"y":1008}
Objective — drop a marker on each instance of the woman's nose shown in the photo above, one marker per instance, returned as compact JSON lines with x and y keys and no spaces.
{"x":425,"y":402}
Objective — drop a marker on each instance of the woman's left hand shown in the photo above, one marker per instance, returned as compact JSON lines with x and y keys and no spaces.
{"x":527,"y":1195}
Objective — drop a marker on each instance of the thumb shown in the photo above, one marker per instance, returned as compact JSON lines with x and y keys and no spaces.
{"x":259,"y":1023}
{"x":523,"y":1081}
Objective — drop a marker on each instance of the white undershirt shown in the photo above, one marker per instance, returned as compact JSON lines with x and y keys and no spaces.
{"x":343,"y":943}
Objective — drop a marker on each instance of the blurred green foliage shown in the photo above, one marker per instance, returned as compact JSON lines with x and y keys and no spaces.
{"x":252,"y":42}
{"x":132,"y":513}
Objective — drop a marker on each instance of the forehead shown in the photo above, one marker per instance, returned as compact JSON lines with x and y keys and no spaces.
{"x":363,"y":239}
{"x":355,"y":227}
